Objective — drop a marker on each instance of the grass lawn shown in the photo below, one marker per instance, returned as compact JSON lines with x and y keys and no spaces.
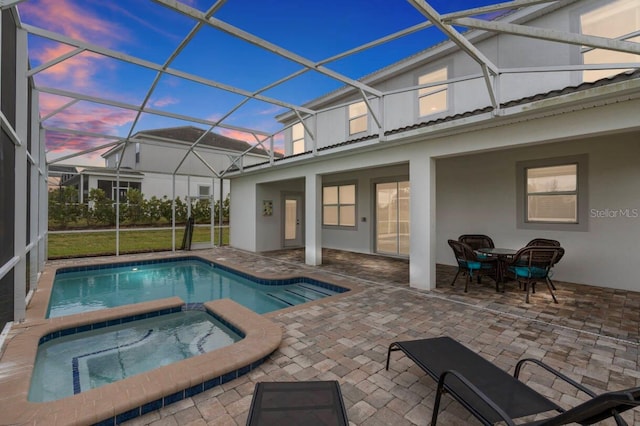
{"x":79,"y":244}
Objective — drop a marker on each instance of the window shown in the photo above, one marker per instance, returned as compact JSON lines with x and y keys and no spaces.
{"x":339,"y":205}
{"x":552,"y":193}
{"x":297,"y":138}
{"x":357,"y":118}
{"x":621,"y":20}
{"x":204,"y":190}
{"x":137,"y":152}
{"x":432,"y":99}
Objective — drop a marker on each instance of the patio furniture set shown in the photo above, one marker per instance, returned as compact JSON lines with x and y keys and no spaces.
{"x":477,"y":256}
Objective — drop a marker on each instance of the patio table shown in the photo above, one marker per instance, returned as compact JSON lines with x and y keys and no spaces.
{"x":313,"y":403}
{"x":503,"y":255}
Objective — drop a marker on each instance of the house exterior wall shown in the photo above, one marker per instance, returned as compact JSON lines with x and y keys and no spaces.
{"x":269,"y":230}
{"x":484,"y":185}
{"x":165,"y":157}
{"x":504,"y":50}
{"x":463,"y":185}
{"x":159,"y":185}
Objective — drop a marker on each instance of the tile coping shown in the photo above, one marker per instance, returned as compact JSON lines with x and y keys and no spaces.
{"x":139,"y":394}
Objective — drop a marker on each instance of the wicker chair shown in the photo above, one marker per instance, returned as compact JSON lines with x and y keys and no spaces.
{"x":476,"y":241}
{"x":469,"y":263}
{"x":532,"y":264}
{"x":543,"y":242}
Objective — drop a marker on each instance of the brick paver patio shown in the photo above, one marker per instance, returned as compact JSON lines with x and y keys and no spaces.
{"x":591,"y":335}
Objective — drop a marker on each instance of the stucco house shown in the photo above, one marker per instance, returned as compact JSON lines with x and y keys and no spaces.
{"x":527,"y":125}
{"x":501,"y":132}
{"x":153,"y":161}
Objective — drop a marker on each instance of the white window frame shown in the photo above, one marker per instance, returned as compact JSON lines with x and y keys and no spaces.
{"x":137,"y":152}
{"x":427,"y":92}
{"x":339,"y":204}
{"x":581,"y":192}
{"x":297,"y":141}
{"x":200,"y":191}
{"x":352,"y":117}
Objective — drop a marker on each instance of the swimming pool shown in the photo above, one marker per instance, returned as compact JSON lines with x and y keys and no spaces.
{"x":194,"y":280}
{"x":68,"y":364}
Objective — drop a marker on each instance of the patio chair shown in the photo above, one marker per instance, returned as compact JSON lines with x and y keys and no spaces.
{"x":470,"y":263}
{"x":532,"y":264}
{"x":476,"y":241}
{"x":493,"y":395}
{"x":543,"y":242}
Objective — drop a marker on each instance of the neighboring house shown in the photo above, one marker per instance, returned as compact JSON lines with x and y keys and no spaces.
{"x":542,"y":149}
{"x":152,"y":156}
{"x":59,"y":175}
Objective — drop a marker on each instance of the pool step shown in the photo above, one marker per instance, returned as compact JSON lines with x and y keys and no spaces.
{"x":298,"y":294}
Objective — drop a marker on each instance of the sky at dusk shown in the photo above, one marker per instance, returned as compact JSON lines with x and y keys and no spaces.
{"x":150,"y":31}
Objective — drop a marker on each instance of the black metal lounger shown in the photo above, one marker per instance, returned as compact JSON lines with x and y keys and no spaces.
{"x":493,"y":395}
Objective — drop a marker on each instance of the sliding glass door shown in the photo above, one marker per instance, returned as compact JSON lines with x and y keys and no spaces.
{"x":392,"y":218}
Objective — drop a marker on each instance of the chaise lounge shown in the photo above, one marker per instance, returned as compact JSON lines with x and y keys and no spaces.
{"x":492,"y":395}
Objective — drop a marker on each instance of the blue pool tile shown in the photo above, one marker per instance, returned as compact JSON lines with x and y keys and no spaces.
{"x":211,"y":383}
{"x":194,"y":390}
{"x":229,"y":376}
{"x":100,"y":324}
{"x":109,"y":422}
{"x":151,"y":406}
{"x":83,"y":328}
{"x":174,"y":397}
{"x":128,"y":415}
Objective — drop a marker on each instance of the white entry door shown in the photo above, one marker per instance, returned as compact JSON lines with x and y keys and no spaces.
{"x":293,"y":220}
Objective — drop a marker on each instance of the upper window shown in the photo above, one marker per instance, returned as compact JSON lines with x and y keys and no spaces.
{"x":339,"y":205}
{"x":297,"y":138}
{"x":357,"y":118}
{"x":137,"y":152}
{"x":552,"y":193}
{"x":617,"y":20}
{"x":432,"y":99}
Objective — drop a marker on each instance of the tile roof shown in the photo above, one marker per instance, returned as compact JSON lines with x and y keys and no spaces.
{"x":189,"y":134}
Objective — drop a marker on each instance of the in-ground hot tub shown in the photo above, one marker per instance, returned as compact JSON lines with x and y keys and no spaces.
{"x":141,"y":393}
{"x":73,"y":361}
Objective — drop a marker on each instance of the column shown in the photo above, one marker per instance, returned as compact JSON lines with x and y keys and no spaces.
{"x":422,"y":256}
{"x":312,"y":217}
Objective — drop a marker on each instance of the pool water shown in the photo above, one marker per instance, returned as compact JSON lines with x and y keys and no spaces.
{"x":78,"y":362}
{"x":191,"y":279}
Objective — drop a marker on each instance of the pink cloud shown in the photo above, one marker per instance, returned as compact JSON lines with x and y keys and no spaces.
{"x":165,"y":101}
{"x":236,"y":134}
{"x":77,"y":71}
{"x":71,"y":20}
{"x":278,"y":140}
{"x":85,"y":117}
